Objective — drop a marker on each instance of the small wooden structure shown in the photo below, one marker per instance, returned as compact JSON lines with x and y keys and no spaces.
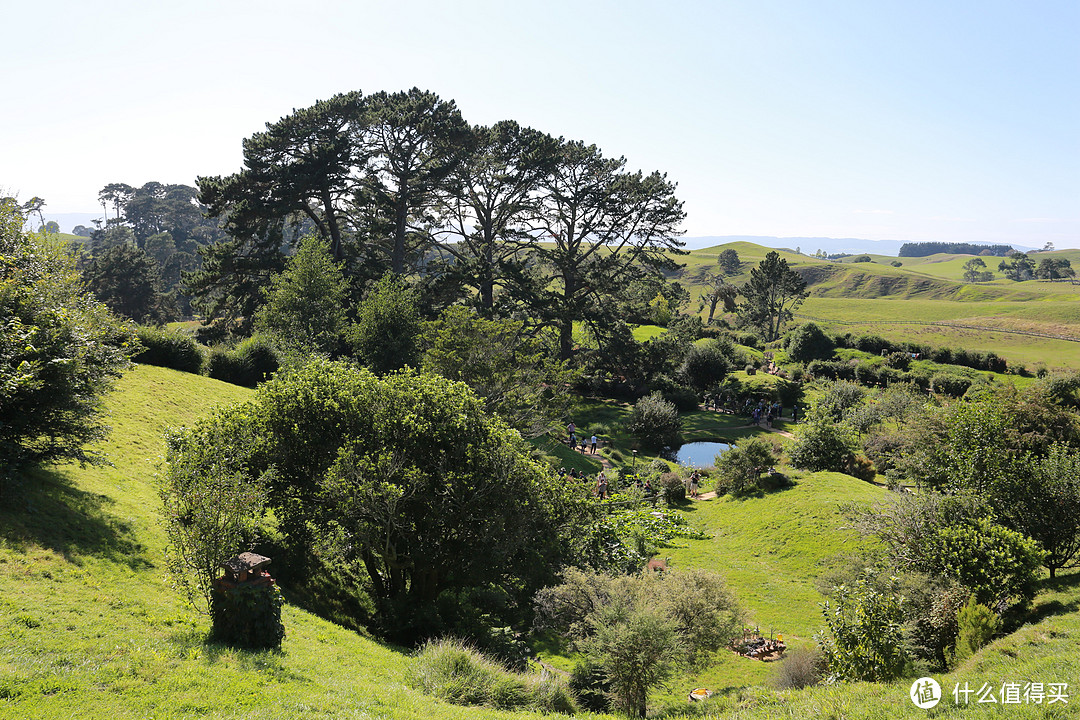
{"x":245,"y":567}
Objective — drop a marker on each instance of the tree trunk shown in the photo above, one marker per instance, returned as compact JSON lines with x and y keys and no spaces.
{"x":336,"y":250}
{"x":398,"y":257}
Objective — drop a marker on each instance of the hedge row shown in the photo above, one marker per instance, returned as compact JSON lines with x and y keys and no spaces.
{"x":248,"y":364}
{"x":868,"y":374}
{"x":946,"y":356}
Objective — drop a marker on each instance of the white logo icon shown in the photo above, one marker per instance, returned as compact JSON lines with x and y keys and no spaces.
{"x":925,"y":693}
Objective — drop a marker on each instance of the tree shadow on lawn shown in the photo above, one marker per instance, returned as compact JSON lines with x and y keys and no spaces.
{"x":45,"y":509}
{"x":1055,"y":606}
{"x":212,"y":652}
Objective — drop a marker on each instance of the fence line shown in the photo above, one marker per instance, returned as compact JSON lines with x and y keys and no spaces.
{"x":938,"y":323}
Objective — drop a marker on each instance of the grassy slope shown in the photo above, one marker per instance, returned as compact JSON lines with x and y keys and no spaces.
{"x":90,"y":627}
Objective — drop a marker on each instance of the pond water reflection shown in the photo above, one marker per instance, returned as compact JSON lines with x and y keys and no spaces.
{"x":697,"y":454}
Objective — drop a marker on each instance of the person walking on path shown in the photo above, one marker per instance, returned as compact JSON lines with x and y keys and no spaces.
{"x":594,"y":444}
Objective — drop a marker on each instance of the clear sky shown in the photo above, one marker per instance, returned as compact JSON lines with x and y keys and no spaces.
{"x":955,"y":120}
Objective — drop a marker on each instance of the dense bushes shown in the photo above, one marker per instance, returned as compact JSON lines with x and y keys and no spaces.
{"x":640,"y":629}
{"x":251,"y":362}
{"x":60,"y":350}
{"x":404,"y":477}
{"x":865,"y":639}
{"x":707,"y":364}
{"x":169,"y":348}
{"x":807,"y":342}
{"x":876,"y":345}
{"x":821,"y":444}
{"x":742,"y":466}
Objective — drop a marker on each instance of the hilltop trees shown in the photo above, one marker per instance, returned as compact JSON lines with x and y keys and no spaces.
{"x":773,"y":292}
{"x":491,"y":199}
{"x":126,"y":278}
{"x":565,"y":231}
{"x":1018,"y":267}
{"x":1054,"y":269}
{"x":975,"y":271}
{"x":604,"y":228}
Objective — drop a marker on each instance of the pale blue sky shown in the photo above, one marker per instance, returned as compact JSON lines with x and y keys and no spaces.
{"x":907,"y":120}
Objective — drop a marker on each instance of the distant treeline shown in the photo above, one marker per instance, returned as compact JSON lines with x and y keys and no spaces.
{"x":922,"y":249}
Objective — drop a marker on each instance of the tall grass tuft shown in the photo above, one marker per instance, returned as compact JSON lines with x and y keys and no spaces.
{"x":453,"y":671}
{"x":802,"y":667}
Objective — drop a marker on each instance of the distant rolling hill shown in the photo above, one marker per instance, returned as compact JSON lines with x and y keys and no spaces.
{"x":924,"y":300}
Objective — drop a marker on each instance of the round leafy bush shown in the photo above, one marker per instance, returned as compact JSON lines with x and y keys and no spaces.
{"x":672,"y":488}
{"x":655,"y":422}
{"x":807,"y":342}
{"x":706,"y":364}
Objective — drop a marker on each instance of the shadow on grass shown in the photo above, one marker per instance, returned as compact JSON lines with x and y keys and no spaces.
{"x":1056,"y":606}
{"x":45,"y":509}
{"x":269,"y":663}
{"x":776,"y":483}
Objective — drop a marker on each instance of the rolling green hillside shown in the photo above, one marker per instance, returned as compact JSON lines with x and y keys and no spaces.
{"x":92,"y":629}
{"x":924,"y":300}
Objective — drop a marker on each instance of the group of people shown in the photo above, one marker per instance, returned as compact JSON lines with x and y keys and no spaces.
{"x":764,"y":413}
{"x":586,"y":446}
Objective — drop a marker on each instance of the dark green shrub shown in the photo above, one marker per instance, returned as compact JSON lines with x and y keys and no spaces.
{"x":683,"y":398}
{"x":261,"y":357}
{"x":169,"y":348}
{"x":589,"y":683}
{"x":862,"y":259}
{"x":706,"y":364}
{"x":655,"y":422}
{"x":807,"y":342}
{"x":872,"y":344}
{"x":866,"y":373}
{"x":747,"y":339}
{"x":250,"y":363}
{"x":248,"y":616}
{"x":741,"y":467}
{"x":898,"y":360}
{"x":224,"y":365}
{"x":821,"y":445}
{"x":672,"y":488}
{"x":952,"y":385}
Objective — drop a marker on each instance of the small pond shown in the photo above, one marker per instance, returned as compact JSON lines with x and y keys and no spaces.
{"x":697,"y":454}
